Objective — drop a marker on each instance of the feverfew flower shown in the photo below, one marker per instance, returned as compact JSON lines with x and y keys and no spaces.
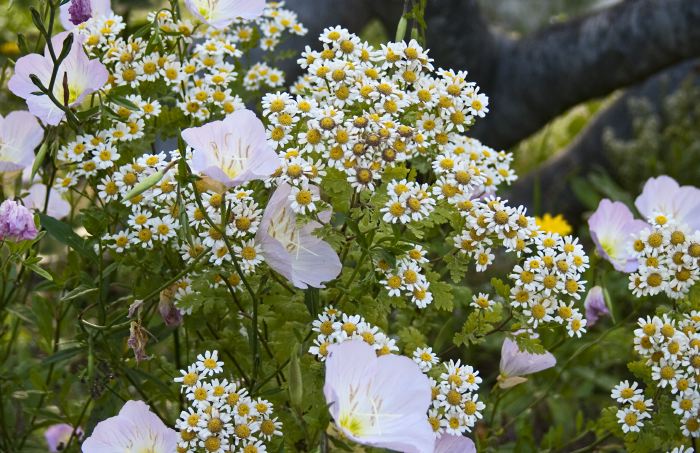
{"x":378,"y":401}
{"x":136,"y":428}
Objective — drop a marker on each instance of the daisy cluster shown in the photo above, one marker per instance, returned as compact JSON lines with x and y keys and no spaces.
{"x":635,"y":408}
{"x":407,"y":277}
{"x":222,"y":416}
{"x":202,"y":81}
{"x":668,"y":253}
{"x":360,"y":110}
{"x":671,"y":348}
{"x":334,"y":326}
{"x":548,"y":279}
{"x":455,"y":408}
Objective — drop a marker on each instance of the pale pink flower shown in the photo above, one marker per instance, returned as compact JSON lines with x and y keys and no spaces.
{"x":20,"y":133}
{"x":57,"y":436}
{"x":516,"y":363}
{"x":663,"y":195}
{"x":222,"y":13}
{"x":293,"y":250}
{"x":83,"y":76}
{"x":378,"y":401}
{"x":58,"y":207}
{"x":136,"y":428}
{"x":448,"y":443}
{"x":16,"y":222}
{"x":612,"y":227}
{"x":595,"y":305}
{"x":232,"y":151}
{"x":97,"y":8}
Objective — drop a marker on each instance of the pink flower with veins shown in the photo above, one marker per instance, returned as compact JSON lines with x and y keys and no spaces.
{"x":449,"y":443}
{"x":58,"y":207}
{"x":135,"y":429}
{"x":612,"y":227}
{"x":20,"y":134}
{"x":221,"y":13}
{"x":516,"y":363}
{"x":293,"y":250}
{"x":378,"y":401}
{"x":83,"y":76}
{"x":232,"y":151}
{"x":663,"y":195}
{"x":97,"y":8}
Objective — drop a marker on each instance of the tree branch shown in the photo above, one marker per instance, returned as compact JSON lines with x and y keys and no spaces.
{"x":538,"y":77}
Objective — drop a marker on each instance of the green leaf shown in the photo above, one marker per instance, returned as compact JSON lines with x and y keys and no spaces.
{"x":80,"y":291}
{"x":64,"y":233}
{"x":443,"y":299}
{"x":338,"y":190}
{"x":39,"y":271}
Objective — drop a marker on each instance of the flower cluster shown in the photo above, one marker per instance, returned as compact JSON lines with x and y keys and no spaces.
{"x":360,"y":110}
{"x":222,"y":415}
{"x":548,"y":279}
{"x":668,"y":253}
{"x":671,"y":349}
{"x":204,"y":80}
{"x":635,"y":407}
{"x":407,"y":277}
{"x":334,"y":327}
{"x":455,"y":408}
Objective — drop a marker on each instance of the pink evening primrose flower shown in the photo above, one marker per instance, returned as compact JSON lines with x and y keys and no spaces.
{"x":136,"y":428}
{"x":448,"y":443}
{"x":232,"y":151}
{"x":378,"y":401}
{"x":57,"y":436}
{"x":20,"y":133}
{"x":663,"y":195}
{"x":293,"y":250}
{"x":83,"y":76}
{"x":82,"y":11}
{"x":595,"y":305}
{"x":16,"y":222}
{"x":221,"y":13}
{"x":612,"y":226}
{"x":516,"y":363}
{"x":58,"y":207}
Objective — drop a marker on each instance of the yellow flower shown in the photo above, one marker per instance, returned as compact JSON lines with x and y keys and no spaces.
{"x":556,"y":224}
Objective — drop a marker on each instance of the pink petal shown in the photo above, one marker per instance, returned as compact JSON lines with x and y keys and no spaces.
{"x":454,"y":444}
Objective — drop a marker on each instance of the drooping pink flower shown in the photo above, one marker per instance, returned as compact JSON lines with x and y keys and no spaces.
{"x":595,"y":305}
{"x":221,"y":13}
{"x":86,"y":10}
{"x":16,"y":222}
{"x":516,"y":363}
{"x":294,"y":251}
{"x":58,"y":207}
{"x":232,"y":151}
{"x":448,"y":443}
{"x":57,"y":436}
{"x":378,"y":401}
{"x":612,"y":226}
{"x":20,"y":133}
{"x":663,"y":195}
{"x":83,"y":77}
{"x":136,"y":428}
